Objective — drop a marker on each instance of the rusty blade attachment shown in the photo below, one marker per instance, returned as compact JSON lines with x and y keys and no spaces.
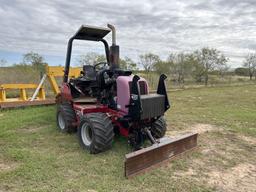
{"x":147,"y":158}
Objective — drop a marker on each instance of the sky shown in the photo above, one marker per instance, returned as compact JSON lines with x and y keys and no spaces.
{"x":158,"y":26}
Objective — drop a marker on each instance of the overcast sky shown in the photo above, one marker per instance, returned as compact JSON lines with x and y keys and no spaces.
{"x":158,"y":26}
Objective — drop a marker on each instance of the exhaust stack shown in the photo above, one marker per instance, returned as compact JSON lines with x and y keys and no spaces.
{"x":113,"y":29}
{"x":114,"y":50}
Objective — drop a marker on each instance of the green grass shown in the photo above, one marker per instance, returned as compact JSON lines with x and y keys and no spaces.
{"x":233,"y":108}
{"x":34,"y":156}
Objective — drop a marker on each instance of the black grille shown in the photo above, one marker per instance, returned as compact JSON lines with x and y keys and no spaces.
{"x":152,"y":105}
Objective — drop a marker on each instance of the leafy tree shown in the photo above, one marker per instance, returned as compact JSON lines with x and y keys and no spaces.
{"x":181,"y":66}
{"x":242,"y":71}
{"x":34,"y":59}
{"x":222,"y":70}
{"x":127,"y":63}
{"x":91,"y":58}
{"x":178,"y":65}
{"x":3,"y":62}
{"x":163,"y":67}
{"x":148,"y":61}
{"x":250,"y":63}
{"x":207,"y":60}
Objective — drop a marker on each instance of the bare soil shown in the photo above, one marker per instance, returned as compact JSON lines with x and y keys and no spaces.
{"x":239,"y":178}
{"x":221,"y":165}
{"x":32,"y":129}
{"x":196,"y":128}
{"x":7,"y":166}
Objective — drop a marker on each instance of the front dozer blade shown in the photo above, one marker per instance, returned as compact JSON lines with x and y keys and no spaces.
{"x":157,"y":154}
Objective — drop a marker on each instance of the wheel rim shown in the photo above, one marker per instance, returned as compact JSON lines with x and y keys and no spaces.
{"x":61,"y":121}
{"x":86,"y":133}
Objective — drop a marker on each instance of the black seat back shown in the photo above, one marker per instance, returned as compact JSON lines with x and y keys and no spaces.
{"x":89,"y":72}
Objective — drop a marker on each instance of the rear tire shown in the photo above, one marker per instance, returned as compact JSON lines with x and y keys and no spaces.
{"x":66,"y":118}
{"x":96,"y":132}
{"x":158,"y":128}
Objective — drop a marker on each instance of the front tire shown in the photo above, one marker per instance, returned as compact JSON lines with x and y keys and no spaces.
{"x":66,"y":118}
{"x":96,"y":132}
{"x":158,"y":128}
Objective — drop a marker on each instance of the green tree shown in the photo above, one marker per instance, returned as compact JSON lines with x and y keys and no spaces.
{"x":34,"y":59}
{"x":242,"y":71}
{"x":208,"y":59}
{"x":223,"y":70}
{"x":127,"y":64}
{"x":250,"y":63}
{"x":148,"y":61}
{"x":3,"y":62}
{"x":163,"y":67}
{"x":181,"y":66}
{"x":91,"y":58}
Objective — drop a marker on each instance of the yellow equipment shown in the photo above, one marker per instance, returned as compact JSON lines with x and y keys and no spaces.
{"x":38,"y":98}
{"x":23,"y":93}
{"x":54,"y":71}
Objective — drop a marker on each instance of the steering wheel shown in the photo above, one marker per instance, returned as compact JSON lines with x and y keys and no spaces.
{"x":100,"y":63}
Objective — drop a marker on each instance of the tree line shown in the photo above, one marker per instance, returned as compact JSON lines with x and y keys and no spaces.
{"x":197,"y":65}
{"x":181,"y":66}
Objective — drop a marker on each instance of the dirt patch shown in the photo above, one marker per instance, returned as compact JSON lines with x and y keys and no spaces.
{"x":202,"y":128}
{"x":248,"y":139}
{"x":224,"y":160}
{"x":237,"y":179}
{"x":199,"y":128}
{"x":31,"y":129}
{"x":5,"y":188}
{"x":190,"y":172}
{"x":7,"y":166}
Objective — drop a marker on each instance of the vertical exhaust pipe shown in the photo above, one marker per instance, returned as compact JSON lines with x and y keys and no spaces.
{"x":113,"y":29}
{"x":114,"y":49}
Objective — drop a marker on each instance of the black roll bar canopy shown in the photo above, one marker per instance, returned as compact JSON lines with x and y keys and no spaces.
{"x":86,"y":32}
{"x":89,"y":33}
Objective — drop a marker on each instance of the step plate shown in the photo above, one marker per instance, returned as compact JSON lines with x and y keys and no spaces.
{"x":147,"y":158}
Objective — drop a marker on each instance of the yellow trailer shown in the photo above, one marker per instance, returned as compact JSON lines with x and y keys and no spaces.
{"x":23,"y":93}
{"x":38,"y":98}
{"x":56,"y":71}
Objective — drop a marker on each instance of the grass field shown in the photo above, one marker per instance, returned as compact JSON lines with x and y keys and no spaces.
{"x":34,"y":156}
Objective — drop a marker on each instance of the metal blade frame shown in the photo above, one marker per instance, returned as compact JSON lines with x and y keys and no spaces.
{"x":147,"y":158}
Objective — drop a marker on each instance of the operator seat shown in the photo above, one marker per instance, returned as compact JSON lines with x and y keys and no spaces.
{"x":89,"y":72}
